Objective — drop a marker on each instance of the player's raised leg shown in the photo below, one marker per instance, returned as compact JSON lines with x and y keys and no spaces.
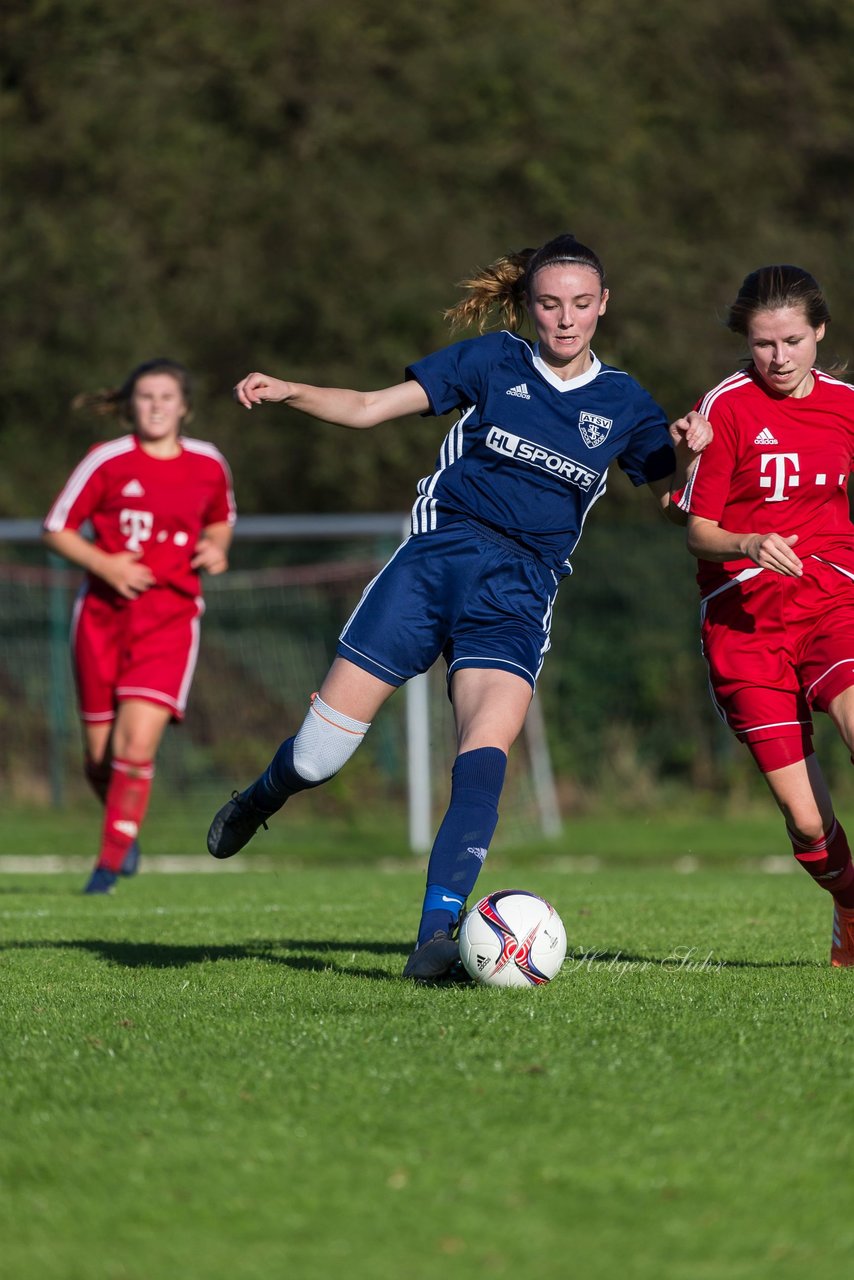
{"x":337,"y":720}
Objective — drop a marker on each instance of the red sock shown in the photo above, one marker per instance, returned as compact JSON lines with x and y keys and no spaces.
{"x":127,"y":801}
{"x":828,"y":861}
{"x":98,"y":776}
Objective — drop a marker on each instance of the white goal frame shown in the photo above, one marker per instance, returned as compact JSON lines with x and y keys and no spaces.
{"x":289,"y":528}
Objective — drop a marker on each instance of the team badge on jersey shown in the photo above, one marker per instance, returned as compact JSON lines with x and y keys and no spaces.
{"x":594,"y":430}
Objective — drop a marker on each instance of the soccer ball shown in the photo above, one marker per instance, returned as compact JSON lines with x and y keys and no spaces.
{"x":512,"y":939}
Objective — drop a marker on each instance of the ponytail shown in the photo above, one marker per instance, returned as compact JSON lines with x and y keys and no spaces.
{"x":116,"y":401}
{"x":505,"y":286}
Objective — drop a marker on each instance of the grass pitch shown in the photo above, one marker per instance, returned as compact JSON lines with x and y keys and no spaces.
{"x":223,"y":1077}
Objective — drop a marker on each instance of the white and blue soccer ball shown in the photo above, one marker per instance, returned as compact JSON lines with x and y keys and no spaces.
{"x":512,"y":939}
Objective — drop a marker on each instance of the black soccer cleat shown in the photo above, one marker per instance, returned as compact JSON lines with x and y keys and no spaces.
{"x":235,"y":824}
{"x":101,"y":881}
{"x":436,"y":959}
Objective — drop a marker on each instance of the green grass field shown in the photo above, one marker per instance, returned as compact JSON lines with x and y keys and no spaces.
{"x":223,"y":1077}
{"x":178,"y":825}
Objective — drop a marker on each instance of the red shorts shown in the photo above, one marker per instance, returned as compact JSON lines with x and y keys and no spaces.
{"x":144,"y":648}
{"x":779,"y":648}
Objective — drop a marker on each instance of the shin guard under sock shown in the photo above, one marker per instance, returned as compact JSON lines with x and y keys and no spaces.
{"x":462,"y":840}
{"x":126,"y":803}
{"x":324,"y":744}
{"x":828,"y":861}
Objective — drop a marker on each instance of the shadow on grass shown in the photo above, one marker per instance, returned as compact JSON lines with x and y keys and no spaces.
{"x":311,"y":954}
{"x":319,"y":956}
{"x":29,"y":892}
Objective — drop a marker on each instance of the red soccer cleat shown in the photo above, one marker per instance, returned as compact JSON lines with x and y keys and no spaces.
{"x":842,"y":946}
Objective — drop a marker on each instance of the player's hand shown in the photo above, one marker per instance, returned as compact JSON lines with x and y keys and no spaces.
{"x":126,"y":575}
{"x":209,"y":557}
{"x":693,"y":430}
{"x":772,"y":551}
{"x":259,"y":388}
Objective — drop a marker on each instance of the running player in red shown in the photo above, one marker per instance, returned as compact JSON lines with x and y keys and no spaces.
{"x":162,"y":510}
{"x":769,"y":521}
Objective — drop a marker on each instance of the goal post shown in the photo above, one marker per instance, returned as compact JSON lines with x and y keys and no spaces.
{"x":270,"y":628}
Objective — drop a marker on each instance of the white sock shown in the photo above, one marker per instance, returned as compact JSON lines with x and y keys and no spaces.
{"x":326,"y":741}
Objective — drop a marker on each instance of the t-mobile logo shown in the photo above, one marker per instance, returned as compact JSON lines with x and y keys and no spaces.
{"x":136,"y":527}
{"x":780,"y":477}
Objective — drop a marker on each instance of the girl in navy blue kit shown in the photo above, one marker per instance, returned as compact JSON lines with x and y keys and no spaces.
{"x":493,"y":531}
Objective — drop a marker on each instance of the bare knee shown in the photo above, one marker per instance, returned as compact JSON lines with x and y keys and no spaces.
{"x":489,"y":708}
{"x":135,"y":748}
{"x":806,"y":828}
{"x":841,"y":712}
{"x":803,"y":798}
{"x":138,"y":730}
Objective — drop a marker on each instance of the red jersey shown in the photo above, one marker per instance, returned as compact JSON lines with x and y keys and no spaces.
{"x":158,"y":506}
{"x":777,"y":464}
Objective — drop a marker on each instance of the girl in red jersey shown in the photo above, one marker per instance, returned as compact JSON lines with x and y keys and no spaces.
{"x":162,"y":509}
{"x":769,"y":521}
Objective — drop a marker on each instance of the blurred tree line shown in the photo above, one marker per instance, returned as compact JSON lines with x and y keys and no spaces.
{"x":298,"y":187}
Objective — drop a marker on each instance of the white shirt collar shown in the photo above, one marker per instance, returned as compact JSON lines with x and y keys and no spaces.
{"x":568,"y":384}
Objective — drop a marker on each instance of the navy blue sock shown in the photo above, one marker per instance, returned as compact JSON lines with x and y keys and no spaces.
{"x":462,"y":840}
{"x":279,"y":781}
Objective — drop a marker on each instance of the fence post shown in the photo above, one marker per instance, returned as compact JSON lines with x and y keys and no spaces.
{"x":541,"y":769}
{"x":57,"y":712}
{"x":418,"y":762}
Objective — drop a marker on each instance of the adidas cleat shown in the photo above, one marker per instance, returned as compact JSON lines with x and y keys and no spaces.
{"x":101,"y":881}
{"x":130,"y":866}
{"x":435,"y":959}
{"x":235,"y":825}
{"x":842,"y":944}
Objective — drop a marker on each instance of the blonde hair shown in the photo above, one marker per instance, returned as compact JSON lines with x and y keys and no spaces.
{"x":498,"y":287}
{"x":505,"y":285}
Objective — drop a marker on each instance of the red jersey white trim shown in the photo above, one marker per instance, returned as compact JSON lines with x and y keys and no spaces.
{"x":728,"y":384}
{"x":208,"y":450}
{"x":57,"y":517}
{"x":155,"y":507}
{"x":777,"y":464}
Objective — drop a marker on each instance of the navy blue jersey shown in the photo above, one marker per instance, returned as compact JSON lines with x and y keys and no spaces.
{"x":529,"y":454}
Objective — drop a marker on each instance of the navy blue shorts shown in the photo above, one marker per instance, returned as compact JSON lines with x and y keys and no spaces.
{"x":464,"y":592}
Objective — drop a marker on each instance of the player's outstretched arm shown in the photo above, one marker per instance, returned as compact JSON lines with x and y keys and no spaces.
{"x":708,"y":541}
{"x":338,"y":405}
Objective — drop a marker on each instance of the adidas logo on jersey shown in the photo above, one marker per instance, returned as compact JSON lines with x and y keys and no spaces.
{"x":133,"y":489}
{"x":521,"y":391}
{"x":765,"y":437}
